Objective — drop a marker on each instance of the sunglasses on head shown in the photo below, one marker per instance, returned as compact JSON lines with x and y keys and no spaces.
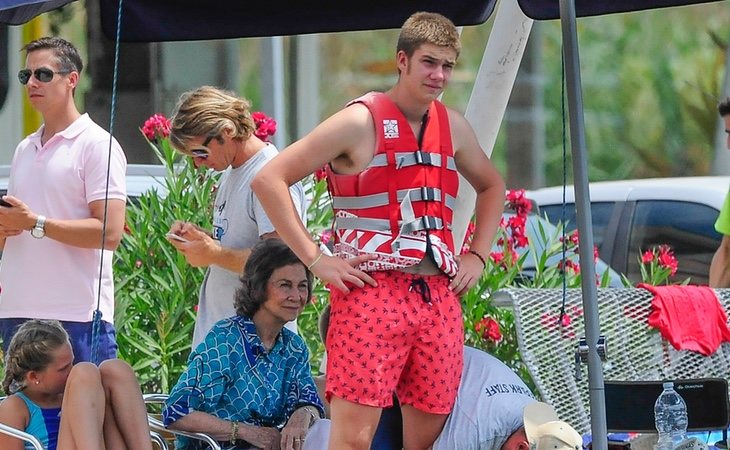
{"x":42,"y":74}
{"x":203,"y":151}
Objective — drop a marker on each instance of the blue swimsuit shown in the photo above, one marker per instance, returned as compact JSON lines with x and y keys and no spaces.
{"x":43,"y":424}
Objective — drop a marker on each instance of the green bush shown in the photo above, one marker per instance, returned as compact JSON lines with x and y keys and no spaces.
{"x":156,"y":289}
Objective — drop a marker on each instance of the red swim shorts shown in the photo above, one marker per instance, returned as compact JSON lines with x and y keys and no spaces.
{"x":405,"y":337}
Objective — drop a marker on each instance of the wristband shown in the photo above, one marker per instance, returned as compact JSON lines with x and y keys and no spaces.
{"x":234,"y":432}
{"x":484,"y":262}
{"x":316,"y":260}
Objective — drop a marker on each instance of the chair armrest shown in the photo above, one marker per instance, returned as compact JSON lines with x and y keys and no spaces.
{"x":6,"y":429}
{"x":157,"y":425}
{"x":158,"y":439}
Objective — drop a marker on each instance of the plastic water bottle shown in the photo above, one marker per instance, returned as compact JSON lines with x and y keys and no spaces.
{"x":670,"y":417}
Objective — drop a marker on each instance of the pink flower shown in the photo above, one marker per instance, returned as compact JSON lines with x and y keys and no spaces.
{"x":156,"y":127}
{"x":320,"y":174}
{"x":488,"y":329}
{"x":517,"y":222}
{"x":517,"y":202}
{"x":265,"y":125}
{"x":521,"y":241}
{"x":569,"y":265}
{"x":468,"y":236}
{"x":325,"y":237}
{"x":647,"y":257}
{"x":667,"y":259}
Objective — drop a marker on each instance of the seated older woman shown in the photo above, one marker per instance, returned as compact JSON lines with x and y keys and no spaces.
{"x":248,"y":384}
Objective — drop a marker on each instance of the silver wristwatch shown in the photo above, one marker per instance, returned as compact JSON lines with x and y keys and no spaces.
{"x":39,"y":230}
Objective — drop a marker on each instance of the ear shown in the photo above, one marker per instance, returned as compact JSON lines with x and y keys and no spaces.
{"x":522,"y":444}
{"x":401,"y":60}
{"x":73,"y":79}
{"x":32,"y":378}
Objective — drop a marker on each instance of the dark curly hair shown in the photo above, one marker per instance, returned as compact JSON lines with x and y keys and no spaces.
{"x":266,"y":256}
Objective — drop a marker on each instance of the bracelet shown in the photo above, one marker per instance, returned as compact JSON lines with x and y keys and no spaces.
{"x":316,"y":260}
{"x":234,"y":432}
{"x":484,"y":262}
{"x":315,"y":417}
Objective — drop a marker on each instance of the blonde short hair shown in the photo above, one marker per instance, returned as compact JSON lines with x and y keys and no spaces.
{"x":428,"y":28}
{"x":208,"y":111}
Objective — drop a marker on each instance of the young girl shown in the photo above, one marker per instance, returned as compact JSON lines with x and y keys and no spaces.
{"x":102,"y":406}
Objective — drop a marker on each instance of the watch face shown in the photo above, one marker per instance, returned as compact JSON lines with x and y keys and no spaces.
{"x":37,"y":232}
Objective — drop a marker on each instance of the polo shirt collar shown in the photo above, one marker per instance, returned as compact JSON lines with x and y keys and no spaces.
{"x":70,"y":132}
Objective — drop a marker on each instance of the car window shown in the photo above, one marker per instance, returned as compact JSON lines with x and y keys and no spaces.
{"x":687,"y":227}
{"x":600,"y":217}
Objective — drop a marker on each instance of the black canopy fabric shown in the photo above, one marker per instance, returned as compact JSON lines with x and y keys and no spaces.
{"x":182,"y":20}
{"x":179,"y":20}
{"x":17,"y":12}
{"x":550,"y":9}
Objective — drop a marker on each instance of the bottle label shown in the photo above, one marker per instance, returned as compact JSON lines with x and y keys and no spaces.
{"x":691,"y":444}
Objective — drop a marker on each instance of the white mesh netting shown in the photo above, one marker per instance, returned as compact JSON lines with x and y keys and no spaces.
{"x":636,"y":352}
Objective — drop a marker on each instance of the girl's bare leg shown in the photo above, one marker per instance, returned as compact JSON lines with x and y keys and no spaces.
{"x":83,"y":406}
{"x":125,"y":424}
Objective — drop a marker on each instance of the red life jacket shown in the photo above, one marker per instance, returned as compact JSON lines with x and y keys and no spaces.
{"x":401,"y":206}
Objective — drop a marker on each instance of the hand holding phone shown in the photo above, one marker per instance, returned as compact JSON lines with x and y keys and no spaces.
{"x":176,"y":237}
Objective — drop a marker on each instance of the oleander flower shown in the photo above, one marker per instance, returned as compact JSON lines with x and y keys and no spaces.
{"x":156,"y":127}
{"x":265,"y":125}
{"x":489,"y":329}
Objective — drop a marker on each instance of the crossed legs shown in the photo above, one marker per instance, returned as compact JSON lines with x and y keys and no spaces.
{"x":103,"y":409}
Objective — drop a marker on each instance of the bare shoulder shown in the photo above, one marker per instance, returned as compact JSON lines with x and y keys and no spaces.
{"x":350,"y":136}
{"x":14,"y":412}
{"x":462,"y":134}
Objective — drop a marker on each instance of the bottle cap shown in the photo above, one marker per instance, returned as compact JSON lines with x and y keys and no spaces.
{"x":667,"y":384}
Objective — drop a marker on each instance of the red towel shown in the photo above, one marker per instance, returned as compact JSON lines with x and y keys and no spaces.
{"x":689,"y":317}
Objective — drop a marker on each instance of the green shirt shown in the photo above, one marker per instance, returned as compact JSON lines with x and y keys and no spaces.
{"x":722,"y":224}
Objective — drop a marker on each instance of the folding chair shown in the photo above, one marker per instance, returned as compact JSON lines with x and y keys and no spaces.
{"x":156,"y":424}
{"x":630,"y":404}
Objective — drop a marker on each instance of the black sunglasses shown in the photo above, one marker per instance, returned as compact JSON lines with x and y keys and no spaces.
{"x":203,"y":151}
{"x":42,"y":74}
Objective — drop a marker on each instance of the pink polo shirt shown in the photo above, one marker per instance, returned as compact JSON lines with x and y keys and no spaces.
{"x":43,"y":278}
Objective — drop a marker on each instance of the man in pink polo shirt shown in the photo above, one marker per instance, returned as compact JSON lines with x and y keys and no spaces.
{"x":57,"y":248}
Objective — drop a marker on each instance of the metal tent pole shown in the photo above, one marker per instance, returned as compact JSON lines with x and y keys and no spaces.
{"x":585,"y":228}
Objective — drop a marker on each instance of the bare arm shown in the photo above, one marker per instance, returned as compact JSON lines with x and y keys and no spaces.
{"x":219,"y":429}
{"x":473,"y":164}
{"x":201,"y":250}
{"x":14,"y":413}
{"x":83,"y":233}
{"x":720,"y":265}
{"x":337,"y":137}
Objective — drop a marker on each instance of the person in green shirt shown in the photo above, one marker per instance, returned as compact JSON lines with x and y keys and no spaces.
{"x":720,"y":265}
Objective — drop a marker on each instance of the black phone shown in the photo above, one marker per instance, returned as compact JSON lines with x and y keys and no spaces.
{"x":4,"y":203}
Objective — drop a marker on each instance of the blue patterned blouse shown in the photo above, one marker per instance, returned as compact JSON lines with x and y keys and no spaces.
{"x":231,"y":376}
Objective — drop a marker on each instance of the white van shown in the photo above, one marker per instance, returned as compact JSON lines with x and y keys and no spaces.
{"x":631,"y":216}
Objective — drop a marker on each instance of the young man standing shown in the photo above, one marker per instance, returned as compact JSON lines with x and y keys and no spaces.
{"x":66,"y":212}
{"x":393,"y":161}
{"x":720,"y":265}
{"x":215,"y":128}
